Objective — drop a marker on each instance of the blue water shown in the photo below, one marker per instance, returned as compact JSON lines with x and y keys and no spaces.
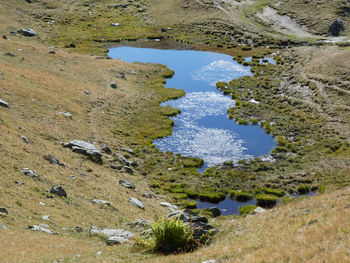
{"x":203,"y":128}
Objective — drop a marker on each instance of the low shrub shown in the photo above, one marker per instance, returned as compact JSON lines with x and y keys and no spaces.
{"x":266,"y":200}
{"x":241,"y":196}
{"x":212,"y":196}
{"x":276,"y":192}
{"x":247,"y":210}
{"x":303,"y":189}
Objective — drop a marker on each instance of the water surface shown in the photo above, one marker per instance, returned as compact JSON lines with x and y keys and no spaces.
{"x":203,"y":128}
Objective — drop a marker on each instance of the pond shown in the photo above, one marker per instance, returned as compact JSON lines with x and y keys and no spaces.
{"x":203,"y":128}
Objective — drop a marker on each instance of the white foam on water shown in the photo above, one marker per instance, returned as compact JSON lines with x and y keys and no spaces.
{"x":220,"y":70}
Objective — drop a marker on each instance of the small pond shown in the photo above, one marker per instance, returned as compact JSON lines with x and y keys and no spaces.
{"x":203,"y":128}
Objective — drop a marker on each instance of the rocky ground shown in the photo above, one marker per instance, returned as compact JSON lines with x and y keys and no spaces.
{"x":79,"y":178}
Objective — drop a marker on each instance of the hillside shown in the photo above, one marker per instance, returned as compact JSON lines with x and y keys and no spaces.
{"x":60,"y":86}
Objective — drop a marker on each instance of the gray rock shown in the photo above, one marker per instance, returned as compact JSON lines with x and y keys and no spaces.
{"x":171,"y":207}
{"x":122,"y":159}
{"x":53,"y":160}
{"x":42,"y":229}
{"x":59,"y":191}
{"x":78,"y":229}
{"x":116,"y":166}
{"x":147,"y":195}
{"x":45,"y":217}
{"x":140,"y":223}
{"x":10,"y":54}
{"x":336,"y":27}
{"x":4,"y":227}
{"x":86,"y":149}
{"x":214,"y":211}
{"x":115,"y":236}
{"x":4,"y":103}
{"x":101,"y":202}
{"x":136,"y":202}
{"x":188,"y":216}
{"x":114,"y":85}
{"x":128,"y":170}
{"x":19,"y":182}
{"x":66,"y":114}
{"x":127,"y":184}
{"x":259,"y":210}
{"x":106,"y":149}
{"x":31,"y":173}
{"x":25,"y":140}
{"x":4,"y":210}
{"x":210,"y":261}
{"x":116,"y":240}
{"x":52,"y":52}
{"x":128,"y":150}
{"x":27,"y":32}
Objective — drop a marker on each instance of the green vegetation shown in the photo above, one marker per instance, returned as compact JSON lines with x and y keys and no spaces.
{"x":276,"y":192}
{"x":247,"y":210}
{"x":303,"y":189}
{"x":241,"y":196}
{"x":212,"y":196}
{"x":266,"y":200}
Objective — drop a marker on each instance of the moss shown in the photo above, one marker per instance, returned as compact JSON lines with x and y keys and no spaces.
{"x":247,"y":210}
{"x":190,"y":204}
{"x":221,"y":85}
{"x":212,"y":196}
{"x":266,"y":200}
{"x":276,"y":192}
{"x":242,"y":122}
{"x":191,"y":193}
{"x":180,"y":196}
{"x":241,"y":196}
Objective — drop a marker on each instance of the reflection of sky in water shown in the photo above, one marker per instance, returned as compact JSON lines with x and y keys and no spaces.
{"x":202,"y":129}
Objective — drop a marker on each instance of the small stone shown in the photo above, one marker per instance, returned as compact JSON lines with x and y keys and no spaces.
{"x":214,"y":211}
{"x":116,"y":240}
{"x":10,"y":54}
{"x":259,"y":210}
{"x":210,"y":261}
{"x":99,"y":253}
{"x":172,"y":207}
{"x":85,"y":148}
{"x":59,"y":191}
{"x":18,"y":182}
{"x":115,"y":24}
{"x":66,"y":114}
{"x":106,"y":149}
{"x":52,"y":52}
{"x":27,"y":32}
{"x":78,"y":229}
{"x":114,"y":85}
{"x":42,"y":229}
{"x":127,"y":184}
{"x":137,"y":203}
{"x":147,"y":195}
{"x":45,"y":217}
{"x":28,"y":172}
{"x":4,"y":210}
{"x":41,"y":203}
{"x":4,"y":103}
{"x":25,"y":140}
{"x":140,"y":223}
{"x":4,"y":227}
{"x":128,"y":170}
{"x":101,"y":202}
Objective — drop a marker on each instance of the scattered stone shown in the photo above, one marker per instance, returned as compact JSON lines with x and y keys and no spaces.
{"x":41,"y":203}
{"x":140,"y":10}
{"x":122,"y":159}
{"x":172,"y":207}
{"x":71,"y":45}
{"x":115,"y":236}
{"x":128,"y":170}
{"x":188,"y":216}
{"x":66,"y":114}
{"x":259,"y":210}
{"x":101,"y":202}
{"x":4,"y":103}
{"x":52,"y":52}
{"x":147,"y":195}
{"x":78,"y":229}
{"x":214,"y":211}
{"x":42,"y":229}
{"x":30,"y":1}
{"x":53,"y":160}
{"x":10,"y":54}
{"x":127,"y":184}
{"x":116,"y":167}
{"x":136,"y":202}
{"x":86,"y":149}
{"x":27,"y":32}
{"x":4,"y":227}
{"x":210,"y":261}
{"x":106,"y":149}
{"x":336,"y":27}
{"x":140,"y":223}
{"x":19,"y":182}
{"x":114,"y":85}
{"x":45,"y":217}
{"x":98,"y":253}
{"x":115,"y":24}
{"x":59,"y":191}
{"x":24,"y":139}
{"x":128,"y":150}
{"x":31,"y":173}
{"x":4,"y":37}
{"x":4,"y":211}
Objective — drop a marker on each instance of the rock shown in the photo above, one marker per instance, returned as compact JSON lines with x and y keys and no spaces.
{"x":172,"y":207}
{"x":122,"y":159}
{"x":259,"y":210}
{"x":59,"y":191}
{"x":114,"y":85}
{"x":128,"y":150}
{"x":52,"y":52}
{"x":4,"y":103}
{"x":147,"y":195}
{"x":115,"y":236}
{"x":42,"y":229}
{"x":115,"y":24}
{"x":4,"y":227}
{"x":116,"y":166}
{"x":188,"y":216}
{"x":3,"y":210}
{"x":140,"y":223}
{"x":71,"y":45}
{"x":10,"y":54}
{"x":101,"y":202}
{"x":27,"y":32}
{"x":128,"y":170}
{"x":66,"y":114}
{"x":214,"y":211}
{"x":98,"y":253}
{"x":86,"y":149}
{"x":45,"y":217}
{"x":19,"y":182}
{"x":53,"y":160}
{"x":78,"y":229}
{"x":210,"y":261}
{"x":136,"y":202}
{"x":336,"y":27}
{"x":106,"y":149}
{"x":127,"y":184}
{"x":31,"y":173}
{"x":25,"y":140}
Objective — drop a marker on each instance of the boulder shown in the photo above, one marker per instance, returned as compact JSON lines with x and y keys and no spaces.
{"x":42,"y":229}
{"x":214,"y":211}
{"x":336,"y":27}
{"x":114,"y":236}
{"x":4,"y":103}
{"x":127,"y":184}
{"x":188,"y":216}
{"x":122,"y":159}
{"x":27,"y":32}
{"x":86,"y":149}
{"x":31,"y":173}
{"x":59,"y":191}
{"x":136,"y":202}
{"x":171,"y":206}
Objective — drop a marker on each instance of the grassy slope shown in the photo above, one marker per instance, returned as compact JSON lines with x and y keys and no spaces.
{"x":34,"y":87}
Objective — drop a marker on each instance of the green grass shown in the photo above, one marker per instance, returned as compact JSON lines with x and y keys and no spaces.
{"x":266,"y":200}
{"x":247,"y":210}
